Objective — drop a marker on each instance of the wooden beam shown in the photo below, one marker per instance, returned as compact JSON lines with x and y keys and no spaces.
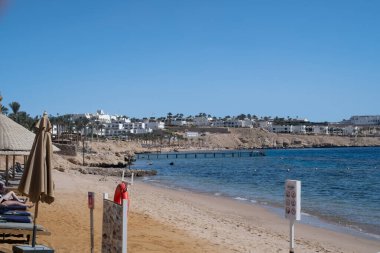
{"x":6,"y":170}
{"x":14,"y":167}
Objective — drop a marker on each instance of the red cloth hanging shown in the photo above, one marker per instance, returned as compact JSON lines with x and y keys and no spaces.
{"x":121,"y":192}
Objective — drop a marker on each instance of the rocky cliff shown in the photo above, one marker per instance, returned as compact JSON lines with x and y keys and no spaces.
{"x":259,"y":138}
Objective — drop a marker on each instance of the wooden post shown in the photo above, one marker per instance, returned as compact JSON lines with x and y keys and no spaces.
{"x":6,"y":170}
{"x":14,"y":168}
{"x":35,"y":224}
{"x":83,"y":151}
{"x":91,"y":206}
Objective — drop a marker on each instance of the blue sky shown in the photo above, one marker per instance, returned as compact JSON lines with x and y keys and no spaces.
{"x":314,"y":59}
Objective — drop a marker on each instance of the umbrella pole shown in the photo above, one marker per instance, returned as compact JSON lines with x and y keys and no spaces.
{"x":35,"y":225}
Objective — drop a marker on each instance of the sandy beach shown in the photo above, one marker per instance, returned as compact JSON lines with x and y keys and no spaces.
{"x":167,"y":220}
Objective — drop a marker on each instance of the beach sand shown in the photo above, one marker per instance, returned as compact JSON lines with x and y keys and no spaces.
{"x":167,"y":220}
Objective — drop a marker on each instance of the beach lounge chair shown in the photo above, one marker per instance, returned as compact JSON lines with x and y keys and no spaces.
{"x":15,"y":218}
{"x":25,"y":229}
{"x":15,"y":212}
{"x":12,"y":208}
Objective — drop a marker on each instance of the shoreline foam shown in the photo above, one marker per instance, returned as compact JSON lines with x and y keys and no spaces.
{"x":307,"y":218}
{"x":252,"y":221}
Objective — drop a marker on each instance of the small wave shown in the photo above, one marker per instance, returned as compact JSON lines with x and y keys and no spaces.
{"x":253,"y":201}
{"x":150,"y":180}
{"x":305,"y":214}
{"x":240,"y":198}
{"x":217,"y":194}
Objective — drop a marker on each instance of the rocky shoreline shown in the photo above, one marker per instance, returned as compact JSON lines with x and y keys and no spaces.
{"x":107,"y":158}
{"x":116,"y":172}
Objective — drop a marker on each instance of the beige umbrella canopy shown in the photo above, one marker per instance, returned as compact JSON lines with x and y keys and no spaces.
{"x":36,"y":181}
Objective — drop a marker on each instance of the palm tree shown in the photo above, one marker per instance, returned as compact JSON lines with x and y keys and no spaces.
{"x":25,"y":120}
{"x":81,"y":124}
{"x":4,"y":110}
{"x":15,"y":106}
{"x":169,"y":118}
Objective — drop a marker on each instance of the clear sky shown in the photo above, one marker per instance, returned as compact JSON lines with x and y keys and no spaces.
{"x":313,"y":59}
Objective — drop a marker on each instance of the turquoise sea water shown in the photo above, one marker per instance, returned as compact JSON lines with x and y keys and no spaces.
{"x":339,"y":185}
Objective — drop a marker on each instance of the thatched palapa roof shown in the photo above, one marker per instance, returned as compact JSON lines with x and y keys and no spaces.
{"x":14,"y":138}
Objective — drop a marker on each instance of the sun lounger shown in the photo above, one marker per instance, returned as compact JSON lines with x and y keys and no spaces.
{"x":12,"y":207}
{"x":15,"y":212}
{"x":15,"y":218}
{"x":25,"y":229}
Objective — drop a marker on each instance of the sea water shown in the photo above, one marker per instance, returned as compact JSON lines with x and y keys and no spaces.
{"x":340,"y":186}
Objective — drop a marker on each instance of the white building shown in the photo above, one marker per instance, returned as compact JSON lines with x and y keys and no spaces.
{"x":350,"y":130}
{"x":155,"y":125}
{"x":134,"y":125}
{"x":323,"y":130}
{"x":141,"y":131}
{"x":281,"y":129}
{"x":123,"y":126}
{"x":365,"y":120}
{"x":80,"y":116}
{"x":232,"y":123}
{"x":179,"y":122}
{"x":114,"y":129}
{"x":299,"y":129}
{"x":218,"y":123}
{"x":201,"y":121}
{"x":265,"y":124}
{"x":101,"y":117}
{"x":192,"y":134}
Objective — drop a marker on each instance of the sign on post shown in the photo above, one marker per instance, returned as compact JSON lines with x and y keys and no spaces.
{"x":292,"y":207}
{"x":91,"y":205}
{"x":91,"y":200}
{"x":293,"y":200}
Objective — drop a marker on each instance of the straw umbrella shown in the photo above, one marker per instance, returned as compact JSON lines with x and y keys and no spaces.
{"x":15,"y":140}
{"x":36,"y":182}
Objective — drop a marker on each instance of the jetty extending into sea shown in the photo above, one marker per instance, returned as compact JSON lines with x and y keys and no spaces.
{"x":201,"y":154}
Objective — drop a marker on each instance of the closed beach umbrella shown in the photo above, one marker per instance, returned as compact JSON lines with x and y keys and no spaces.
{"x":36,"y":181}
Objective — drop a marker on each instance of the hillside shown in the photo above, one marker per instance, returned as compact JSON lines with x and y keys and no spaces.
{"x":259,"y":138}
{"x":113,"y":151}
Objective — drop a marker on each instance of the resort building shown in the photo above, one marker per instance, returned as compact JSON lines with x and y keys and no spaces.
{"x":281,"y":129}
{"x":234,"y":123}
{"x":201,"y":121}
{"x":156,"y":125}
{"x":350,"y":130}
{"x":265,"y":124}
{"x":299,"y":129}
{"x":322,"y":130}
{"x":179,"y":122}
{"x":365,"y":120}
